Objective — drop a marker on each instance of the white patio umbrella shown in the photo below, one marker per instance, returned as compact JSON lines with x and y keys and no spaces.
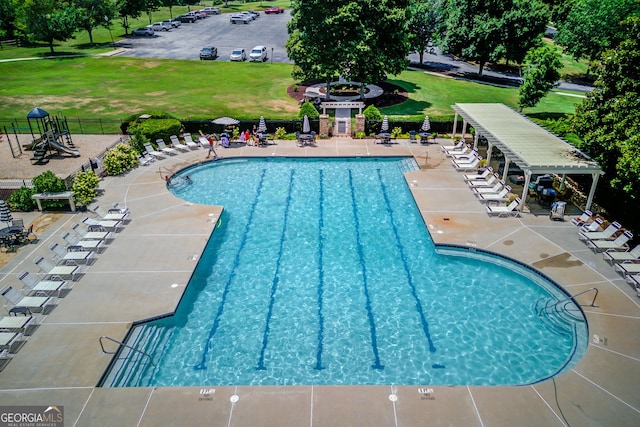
{"x":426,"y":125}
{"x":306,"y":127}
{"x":225,"y":121}
{"x":5,"y":213}
{"x":385,"y":125}
{"x":262,"y":126}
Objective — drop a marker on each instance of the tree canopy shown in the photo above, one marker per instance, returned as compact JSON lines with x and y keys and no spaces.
{"x":358,"y":40}
{"x":609,"y":118}
{"x":49,"y":20}
{"x":425,"y":25}
{"x":541,"y":72}
{"x":592,"y":26}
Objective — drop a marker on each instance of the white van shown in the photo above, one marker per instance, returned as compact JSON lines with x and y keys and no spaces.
{"x":258,"y":54}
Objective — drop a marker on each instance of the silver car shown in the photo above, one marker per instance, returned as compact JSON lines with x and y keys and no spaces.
{"x":238,"y":55}
{"x":240,"y":18}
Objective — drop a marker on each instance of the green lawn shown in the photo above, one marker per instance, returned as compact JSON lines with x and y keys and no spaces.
{"x":116,"y":87}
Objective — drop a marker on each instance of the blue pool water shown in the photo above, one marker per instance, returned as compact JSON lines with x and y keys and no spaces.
{"x":321,"y":271}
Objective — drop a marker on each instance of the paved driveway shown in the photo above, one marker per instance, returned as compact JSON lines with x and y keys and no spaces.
{"x":186,"y":41}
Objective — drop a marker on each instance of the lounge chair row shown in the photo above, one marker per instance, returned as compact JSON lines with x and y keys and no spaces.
{"x":151,"y":154}
{"x":486,"y":186}
{"x":613,"y":241}
{"x":41,"y":290}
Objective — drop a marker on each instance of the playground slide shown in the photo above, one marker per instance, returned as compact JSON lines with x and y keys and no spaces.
{"x":58,"y":146}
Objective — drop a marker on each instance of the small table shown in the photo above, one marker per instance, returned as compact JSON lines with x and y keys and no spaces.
{"x":424,"y":136}
{"x":20,"y":310}
{"x":384,"y":137}
{"x":64,"y":195}
{"x":306,"y":138}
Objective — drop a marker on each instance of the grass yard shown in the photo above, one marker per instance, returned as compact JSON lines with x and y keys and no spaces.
{"x":116,"y":87}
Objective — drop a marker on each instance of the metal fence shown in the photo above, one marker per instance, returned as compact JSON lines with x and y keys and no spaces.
{"x":75,"y":124}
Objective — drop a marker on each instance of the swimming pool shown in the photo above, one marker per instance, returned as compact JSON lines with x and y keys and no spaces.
{"x":321,"y":271}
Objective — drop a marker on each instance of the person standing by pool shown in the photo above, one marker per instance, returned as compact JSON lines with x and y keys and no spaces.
{"x":211,"y":149}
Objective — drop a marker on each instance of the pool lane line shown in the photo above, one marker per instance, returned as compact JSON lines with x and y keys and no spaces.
{"x":372,"y":323}
{"x":405,"y":264}
{"x":276,"y":277}
{"x":236,"y":262}
{"x":320,"y":272}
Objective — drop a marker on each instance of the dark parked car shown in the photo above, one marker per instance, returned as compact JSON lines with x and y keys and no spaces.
{"x":187,"y":18}
{"x":208,"y":52}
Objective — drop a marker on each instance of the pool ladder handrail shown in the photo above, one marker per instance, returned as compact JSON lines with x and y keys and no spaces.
{"x":122,"y":344}
{"x":593,"y":302}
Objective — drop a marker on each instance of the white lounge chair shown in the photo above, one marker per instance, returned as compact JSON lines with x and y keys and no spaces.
{"x":101,"y":224}
{"x":628,"y":268}
{"x":67,"y":269}
{"x":75,"y":240}
{"x":495,"y":197}
{"x":596,"y":225}
{"x":91,"y":235}
{"x":63,"y":254}
{"x":145,"y":159}
{"x":8,"y":341}
{"x":634,"y":279}
{"x":488,"y":190}
{"x":457,"y":147}
{"x":175,"y":143}
{"x":189,"y":142}
{"x":492,"y":180}
{"x":619,"y":243}
{"x":115,"y":214}
{"x":42,"y":288}
{"x":16,"y":323}
{"x":33,"y":304}
{"x":475,"y":177}
{"x":585,"y":218}
{"x":608,"y":233}
{"x":157,"y":154}
{"x":466,"y":156}
{"x":163,"y":147}
{"x":511,"y":209}
{"x":465,"y":166}
{"x":622,"y":256}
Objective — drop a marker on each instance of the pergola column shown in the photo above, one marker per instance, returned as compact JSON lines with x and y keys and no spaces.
{"x":592,"y":191}
{"x":455,"y":126}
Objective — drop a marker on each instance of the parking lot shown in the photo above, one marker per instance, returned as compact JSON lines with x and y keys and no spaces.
{"x":186,"y":41}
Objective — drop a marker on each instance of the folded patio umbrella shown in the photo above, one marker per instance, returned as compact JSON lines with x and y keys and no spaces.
{"x":306,"y":127}
{"x":262,"y":126}
{"x":385,"y":125}
{"x":5,"y":213}
{"x":426,"y":125}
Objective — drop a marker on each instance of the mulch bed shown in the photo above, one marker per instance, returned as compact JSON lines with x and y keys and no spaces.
{"x":393,"y":94}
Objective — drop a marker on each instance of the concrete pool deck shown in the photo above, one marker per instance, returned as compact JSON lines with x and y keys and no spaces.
{"x":143,"y":271}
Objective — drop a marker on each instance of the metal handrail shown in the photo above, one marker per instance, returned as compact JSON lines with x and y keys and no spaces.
{"x":426,"y":156}
{"x":593,"y":302}
{"x":123,"y":344}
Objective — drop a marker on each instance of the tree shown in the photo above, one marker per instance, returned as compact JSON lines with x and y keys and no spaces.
{"x":359,"y":40}
{"x":424,"y":26}
{"x":542,"y":71}
{"x":608,"y":120}
{"x":129,"y":9}
{"x":487,"y":31}
{"x":592,"y":26}
{"x":8,"y":15}
{"x":92,"y":14}
{"x":49,"y":20}
{"x":152,"y":6}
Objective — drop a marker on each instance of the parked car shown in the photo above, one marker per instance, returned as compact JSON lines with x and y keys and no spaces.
{"x":174,"y":23}
{"x":144,"y":31}
{"x":240,"y":19}
{"x":211,"y":10}
{"x":258,"y":54}
{"x":208,"y":52}
{"x":238,"y":55}
{"x":161,"y":26}
{"x":201,"y":14}
{"x":254,"y":13}
{"x":187,"y":18}
{"x":274,"y":9}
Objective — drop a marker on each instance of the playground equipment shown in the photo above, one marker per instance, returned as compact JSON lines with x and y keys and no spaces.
{"x":54,"y":137}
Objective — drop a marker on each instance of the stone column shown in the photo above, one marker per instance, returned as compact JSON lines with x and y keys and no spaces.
{"x":324,"y":125}
{"x":359,"y":123}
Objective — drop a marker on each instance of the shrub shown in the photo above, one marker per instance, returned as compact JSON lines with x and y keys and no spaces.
{"x":20,"y":200}
{"x":360,"y":135}
{"x":396,"y":132}
{"x":372,"y":114}
{"x":84,"y":186}
{"x":153,"y":129}
{"x":48,"y":182}
{"x":280,"y":133}
{"x":120,"y":159}
{"x":307,"y":109}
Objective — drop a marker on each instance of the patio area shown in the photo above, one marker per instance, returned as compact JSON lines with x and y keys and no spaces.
{"x":62,"y":361}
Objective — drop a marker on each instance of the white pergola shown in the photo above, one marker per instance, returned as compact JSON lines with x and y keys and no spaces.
{"x":532,"y":148}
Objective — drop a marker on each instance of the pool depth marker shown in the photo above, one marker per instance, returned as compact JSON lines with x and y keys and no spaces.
{"x":320,"y":273}
{"x":236,"y":262}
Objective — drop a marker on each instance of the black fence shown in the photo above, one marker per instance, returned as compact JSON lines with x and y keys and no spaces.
{"x":76,"y":125}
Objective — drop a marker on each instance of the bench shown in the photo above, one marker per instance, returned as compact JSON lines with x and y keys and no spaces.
{"x":65,"y":195}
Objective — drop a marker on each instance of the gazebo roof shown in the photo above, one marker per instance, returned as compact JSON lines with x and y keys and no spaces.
{"x":525,"y":143}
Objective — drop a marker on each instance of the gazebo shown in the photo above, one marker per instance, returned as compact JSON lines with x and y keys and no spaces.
{"x":531,"y":147}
